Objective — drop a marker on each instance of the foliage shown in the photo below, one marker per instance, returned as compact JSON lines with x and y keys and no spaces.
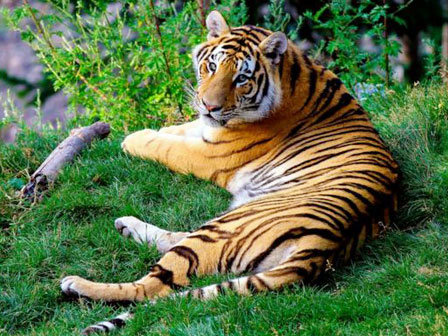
{"x":400,"y":276}
{"x":125,"y":63}
{"x":345,"y":24}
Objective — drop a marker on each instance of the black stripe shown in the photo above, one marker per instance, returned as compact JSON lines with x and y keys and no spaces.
{"x":259,"y":30}
{"x":203,"y":49}
{"x":281,"y":65}
{"x":344,"y":101}
{"x":262,"y":282}
{"x":106,"y":328}
{"x":189,"y":254}
{"x":244,"y":149}
{"x":312,"y":80}
{"x":244,"y":29}
{"x":118,"y":322}
{"x":295,"y":73}
{"x":251,"y":286}
{"x":164,"y":275}
{"x":220,"y":289}
{"x":200,"y":293}
{"x":259,"y":83}
{"x":253,"y":40}
{"x":254,"y":36}
{"x":328,"y":93}
{"x":266,"y":82}
{"x":204,"y":238}
{"x":229,"y":46}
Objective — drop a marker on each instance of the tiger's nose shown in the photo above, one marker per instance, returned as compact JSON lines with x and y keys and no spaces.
{"x":210,"y":107}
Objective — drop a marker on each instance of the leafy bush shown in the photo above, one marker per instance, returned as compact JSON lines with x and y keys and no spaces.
{"x":341,"y":25}
{"x":345,"y":25}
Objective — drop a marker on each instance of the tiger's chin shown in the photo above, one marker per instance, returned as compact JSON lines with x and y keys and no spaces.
{"x":212,"y":122}
{"x":209,"y":120}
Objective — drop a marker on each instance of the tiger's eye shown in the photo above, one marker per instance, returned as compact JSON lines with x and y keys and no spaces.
{"x":212,"y":67}
{"x":241,"y":79}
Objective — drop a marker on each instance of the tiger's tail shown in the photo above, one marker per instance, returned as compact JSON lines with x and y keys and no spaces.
{"x":107,"y":326}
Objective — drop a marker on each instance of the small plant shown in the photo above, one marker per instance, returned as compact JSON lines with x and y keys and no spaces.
{"x":280,"y":20}
{"x":11,"y":113}
{"x":432,"y":61}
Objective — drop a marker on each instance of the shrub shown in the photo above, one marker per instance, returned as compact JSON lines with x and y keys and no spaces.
{"x":343,"y":28}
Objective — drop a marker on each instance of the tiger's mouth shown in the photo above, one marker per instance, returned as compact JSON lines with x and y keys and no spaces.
{"x":212,"y":120}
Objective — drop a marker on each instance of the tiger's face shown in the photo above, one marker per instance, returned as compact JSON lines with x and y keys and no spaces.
{"x":236,"y":72}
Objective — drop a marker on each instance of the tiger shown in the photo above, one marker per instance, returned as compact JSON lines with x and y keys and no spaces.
{"x":311,"y":178}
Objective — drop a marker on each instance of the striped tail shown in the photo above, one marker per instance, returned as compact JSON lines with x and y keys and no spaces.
{"x":107,"y":326}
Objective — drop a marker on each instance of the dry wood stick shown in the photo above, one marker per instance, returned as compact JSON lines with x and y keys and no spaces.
{"x":61,"y":155}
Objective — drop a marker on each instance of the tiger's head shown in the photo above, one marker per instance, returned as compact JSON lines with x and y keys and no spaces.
{"x":236,"y":68}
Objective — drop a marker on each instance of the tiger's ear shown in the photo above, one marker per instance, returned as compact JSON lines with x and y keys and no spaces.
{"x":274,"y":46}
{"x":216,"y":25}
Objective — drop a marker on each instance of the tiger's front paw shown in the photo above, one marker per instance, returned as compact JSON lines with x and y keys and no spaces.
{"x":138,"y":143}
{"x":75,"y":286}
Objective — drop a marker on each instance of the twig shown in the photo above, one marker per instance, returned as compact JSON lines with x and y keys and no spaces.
{"x":202,"y":11}
{"x":65,"y":152}
{"x":162,"y":48}
{"x":159,"y":36}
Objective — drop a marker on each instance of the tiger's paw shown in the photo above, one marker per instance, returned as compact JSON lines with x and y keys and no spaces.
{"x":75,"y":286}
{"x":132,"y":226}
{"x":140,"y":231}
{"x":135,"y":143}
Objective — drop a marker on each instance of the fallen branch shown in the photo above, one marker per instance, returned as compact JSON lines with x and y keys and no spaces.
{"x":61,"y":155}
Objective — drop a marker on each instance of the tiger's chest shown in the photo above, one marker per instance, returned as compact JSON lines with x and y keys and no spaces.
{"x":258,"y":179}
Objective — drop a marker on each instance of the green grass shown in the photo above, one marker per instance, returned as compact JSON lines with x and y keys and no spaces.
{"x":398,"y":285}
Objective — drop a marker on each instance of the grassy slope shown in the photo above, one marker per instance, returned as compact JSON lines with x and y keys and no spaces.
{"x":398,"y":286}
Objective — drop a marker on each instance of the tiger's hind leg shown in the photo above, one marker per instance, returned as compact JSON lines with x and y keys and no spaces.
{"x":143,"y":232}
{"x":302,"y":265}
{"x":196,"y":254}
